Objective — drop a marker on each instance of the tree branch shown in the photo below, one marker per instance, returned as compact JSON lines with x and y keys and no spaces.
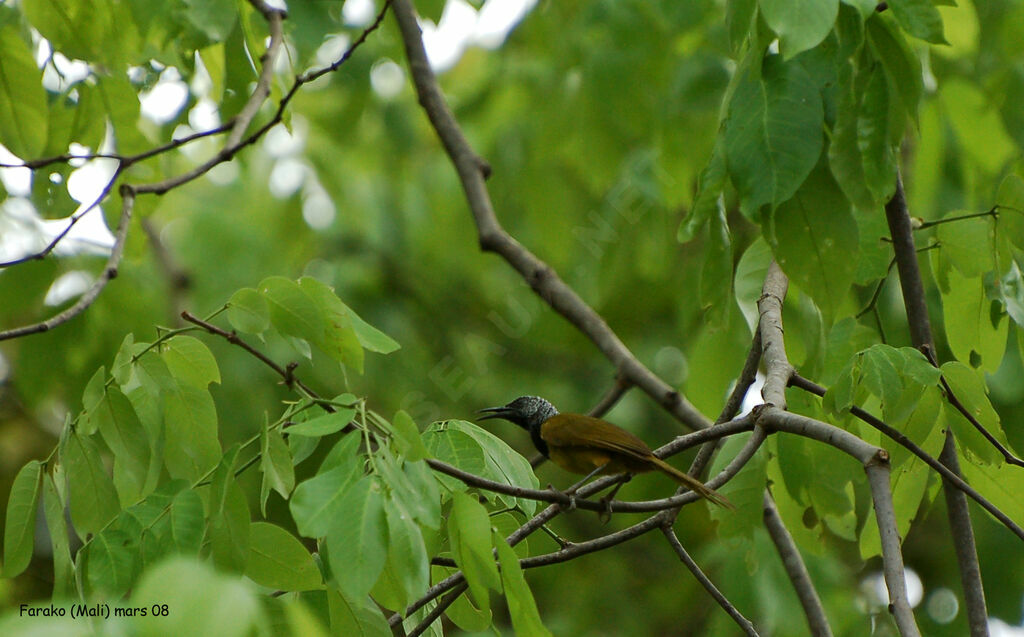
{"x":793,"y":563}
{"x":898,"y":217}
{"x":876,"y":464}
{"x":472,"y":171}
{"x":745,"y":625}
{"x":109,"y":272}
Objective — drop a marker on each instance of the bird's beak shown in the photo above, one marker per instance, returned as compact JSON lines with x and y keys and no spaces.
{"x":493,"y":412}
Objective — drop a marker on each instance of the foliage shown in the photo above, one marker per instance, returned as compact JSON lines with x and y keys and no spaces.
{"x":658,"y":155}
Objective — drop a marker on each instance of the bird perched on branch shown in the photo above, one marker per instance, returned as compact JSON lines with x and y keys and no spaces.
{"x":586,"y":445}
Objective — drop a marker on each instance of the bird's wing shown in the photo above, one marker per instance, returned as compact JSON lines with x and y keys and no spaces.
{"x":574,"y":430}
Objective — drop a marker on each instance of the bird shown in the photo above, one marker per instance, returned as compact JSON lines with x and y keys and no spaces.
{"x":587,"y":445}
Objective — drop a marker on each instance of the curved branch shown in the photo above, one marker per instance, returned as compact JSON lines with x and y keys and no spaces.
{"x":876,"y":464}
{"x":109,"y":272}
{"x":472,"y":171}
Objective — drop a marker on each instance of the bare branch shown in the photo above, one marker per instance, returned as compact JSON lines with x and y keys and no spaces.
{"x":777,"y":367}
{"x":795,"y":569}
{"x":611,"y":397}
{"x":745,"y":625}
{"x":109,"y":272}
{"x":897,"y":216}
{"x":472,"y":171}
{"x":876,"y":464}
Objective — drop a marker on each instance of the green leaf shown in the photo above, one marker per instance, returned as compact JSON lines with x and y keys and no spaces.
{"x":279,"y":561}
{"x":975,"y":329}
{"x":215,"y":18}
{"x":875,"y":138}
{"x":293,"y":311}
{"x":969,"y":387}
{"x":317,"y":502}
{"x":229,"y":530}
{"x":746,"y":490}
{"x":92,"y":498}
{"x":187,"y":522}
{"x":248,"y":311}
{"x":977,"y":124}
{"x":121,"y":104}
{"x":407,"y":555}
{"x":920,"y":18}
{"x":340,"y":340}
{"x":1010,"y":204}
{"x":716,"y":273}
{"x":78,"y":120}
{"x":56,"y":524}
{"x":111,"y":562}
{"x":355,"y":615}
{"x":476,"y":450}
{"x":23,"y":109}
{"x":323,"y":425}
{"x":844,"y":154}
{"x":900,"y":62}
{"x":369,"y":336}
{"x":816,"y":241}
{"x":191,"y":447}
{"x":276,"y":464}
{"x":210,"y":603}
{"x":709,"y":192}
{"x":880,"y":375}
{"x":773,"y":135}
{"x":20,"y":523}
{"x":101,"y":32}
{"x":521,"y":605}
{"x":190,"y":361}
{"x":357,"y":540}
{"x":469,"y":532}
{"x":750,"y":273}
{"x":800,"y":25}
{"x":127,"y":439}
{"x":968,"y":244}
{"x":407,"y":437}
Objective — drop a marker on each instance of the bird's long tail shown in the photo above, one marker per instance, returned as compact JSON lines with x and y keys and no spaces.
{"x":691,"y":482}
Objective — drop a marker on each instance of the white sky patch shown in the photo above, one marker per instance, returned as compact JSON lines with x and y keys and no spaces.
{"x":446,"y":41}
{"x":287,"y":177}
{"x":17,"y":181}
{"x":68,"y":286}
{"x":387,"y":78}
{"x":496,"y":18}
{"x":280,"y":142}
{"x":358,"y":13}
{"x":317,"y":208}
{"x":162,"y":103}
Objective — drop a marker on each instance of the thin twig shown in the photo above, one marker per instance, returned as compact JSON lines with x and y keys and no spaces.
{"x":1008,"y":455}
{"x":745,"y":625}
{"x":45,"y":252}
{"x":899,"y":438}
{"x":611,"y":397}
{"x":472,"y":171}
{"x":897,"y":215}
{"x":793,"y":563}
{"x":109,"y":272}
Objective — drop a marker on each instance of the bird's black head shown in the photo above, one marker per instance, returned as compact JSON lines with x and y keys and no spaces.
{"x":529,"y":412}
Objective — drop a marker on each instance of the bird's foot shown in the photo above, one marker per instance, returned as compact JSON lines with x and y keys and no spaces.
{"x":606,"y":512}
{"x":565,"y":494}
